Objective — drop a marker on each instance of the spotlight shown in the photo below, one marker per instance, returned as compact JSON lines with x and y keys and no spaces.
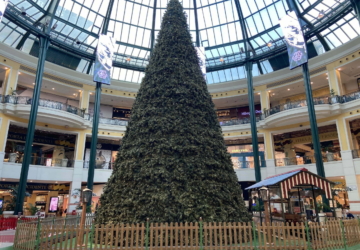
{"x":78,"y":42}
{"x":128,"y":59}
{"x":221,"y":59}
{"x":23,"y":11}
{"x":269,"y":44}
{"x":321,"y":14}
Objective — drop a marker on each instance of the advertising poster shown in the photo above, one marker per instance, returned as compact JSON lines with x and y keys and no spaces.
{"x":103,"y":157}
{"x":294,"y":39}
{"x":201,"y":54}
{"x":3,"y":4}
{"x":104,"y":59}
{"x":53,"y":207}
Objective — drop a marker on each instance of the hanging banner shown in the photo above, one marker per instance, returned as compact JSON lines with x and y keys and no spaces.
{"x":294,"y":38}
{"x":201,"y":54}
{"x":3,"y":4}
{"x":103,"y":61}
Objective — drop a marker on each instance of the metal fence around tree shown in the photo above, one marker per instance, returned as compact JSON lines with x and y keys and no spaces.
{"x":332,"y":234}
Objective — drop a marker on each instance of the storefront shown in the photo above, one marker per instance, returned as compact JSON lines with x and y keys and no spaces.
{"x":242,"y":156}
{"x":49,"y":148}
{"x":48,"y":198}
{"x":106,"y":153}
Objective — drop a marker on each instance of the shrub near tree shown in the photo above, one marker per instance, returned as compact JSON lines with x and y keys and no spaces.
{"x":173,"y":165}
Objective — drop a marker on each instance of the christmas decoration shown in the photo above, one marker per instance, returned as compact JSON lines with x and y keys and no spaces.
{"x":173,"y":165}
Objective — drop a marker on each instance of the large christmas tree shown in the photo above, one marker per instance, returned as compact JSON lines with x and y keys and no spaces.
{"x":173,"y":165}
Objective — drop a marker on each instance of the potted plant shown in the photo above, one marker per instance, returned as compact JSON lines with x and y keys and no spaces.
{"x":10,"y":204}
{"x":333,"y":96}
{"x":32,"y":209}
{"x":320,"y":208}
{"x":13,"y":155}
{"x":64,"y":162}
{"x":327,"y":148}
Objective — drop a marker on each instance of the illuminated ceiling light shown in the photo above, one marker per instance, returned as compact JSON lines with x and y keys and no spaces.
{"x":312,"y":82}
{"x":19,"y":73}
{"x":327,"y":78}
{"x":339,"y":69}
{"x":128,"y":59}
{"x":33,"y":83}
{"x":258,"y":93}
{"x":321,"y":14}
{"x":79,"y":90}
{"x":74,"y":94}
{"x":30,"y":181}
{"x":288,"y":89}
{"x":53,"y":88}
{"x":221,"y":59}
{"x":273,"y":94}
{"x":5,"y":68}
{"x":3,"y":179}
{"x":269,"y":91}
{"x":270,"y":43}
{"x":90,"y":93}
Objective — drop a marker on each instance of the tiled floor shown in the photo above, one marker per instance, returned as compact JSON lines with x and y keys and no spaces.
{"x":7,"y":238}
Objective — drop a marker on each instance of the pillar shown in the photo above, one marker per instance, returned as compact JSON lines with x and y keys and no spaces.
{"x":4,"y":125}
{"x":344,"y":134}
{"x":269,"y":153}
{"x":334,"y":76}
{"x":11,"y":78}
{"x":265,"y":99}
{"x":75,"y":184}
{"x":84,"y":100}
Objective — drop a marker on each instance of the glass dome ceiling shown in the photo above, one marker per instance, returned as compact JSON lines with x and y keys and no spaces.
{"x":214,"y":24}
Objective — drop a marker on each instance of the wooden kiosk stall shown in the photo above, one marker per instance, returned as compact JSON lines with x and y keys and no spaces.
{"x":289,"y":197}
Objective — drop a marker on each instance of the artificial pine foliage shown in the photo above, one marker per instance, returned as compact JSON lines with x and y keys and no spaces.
{"x":173,"y":165}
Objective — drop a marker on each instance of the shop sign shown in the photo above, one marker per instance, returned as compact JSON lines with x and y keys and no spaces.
{"x":42,"y":140}
{"x":35,"y":186}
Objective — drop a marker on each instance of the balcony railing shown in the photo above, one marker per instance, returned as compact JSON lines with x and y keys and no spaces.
{"x":108,"y":121}
{"x":317,"y":101}
{"x":246,"y":164}
{"x":40,"y":161}
{"x":240,"y":121}
{"x":13,"y":99}
{"x":100,"y":165}
{"x":356,"y":153}
{"x":302,"y":160}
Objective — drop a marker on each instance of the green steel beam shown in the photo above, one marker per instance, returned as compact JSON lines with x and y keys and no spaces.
{"x":44,"y":41}
{"x":96,"y":116}
{"x":153,"y":27}
{"x":292,"y":6}
{"x":356,"y":6}
{"x":249,"y":76}
{"x":197,"y":32}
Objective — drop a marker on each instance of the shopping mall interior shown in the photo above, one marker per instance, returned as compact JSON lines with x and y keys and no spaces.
{"x":62,"y":139}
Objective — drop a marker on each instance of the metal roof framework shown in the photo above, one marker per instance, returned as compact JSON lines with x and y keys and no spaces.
{"x":223,"y":27}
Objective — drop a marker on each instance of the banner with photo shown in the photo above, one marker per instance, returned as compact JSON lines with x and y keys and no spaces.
{"x":201,"y":54}
{"x":104,"y":59}
{"x":3,"y":4}
{"x":295,"y":40}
